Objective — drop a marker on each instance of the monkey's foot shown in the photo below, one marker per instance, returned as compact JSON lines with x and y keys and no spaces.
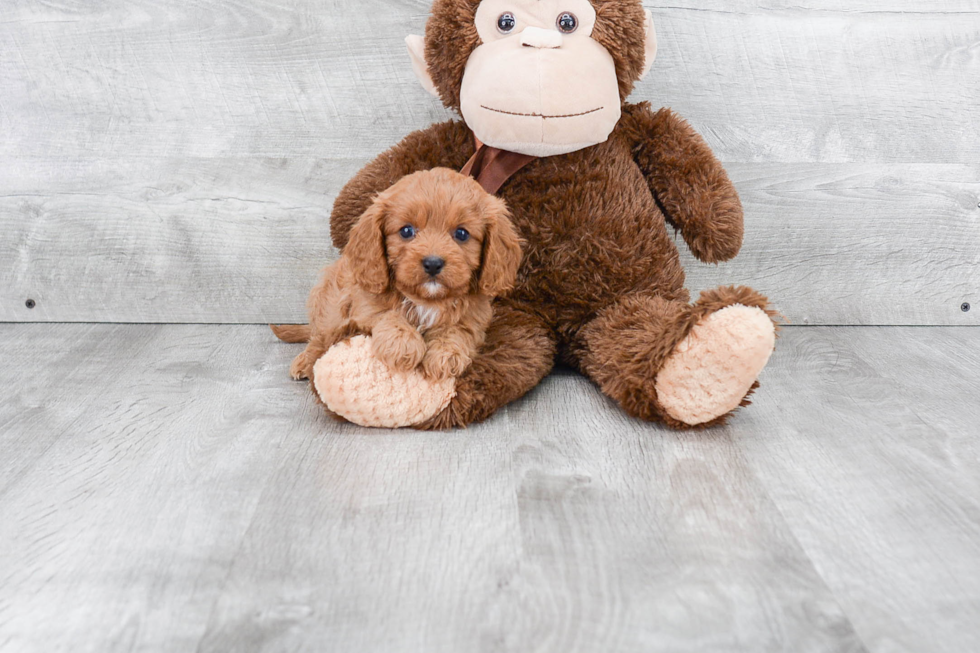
{"x":712,"y":370}
{"x":363,"y":390}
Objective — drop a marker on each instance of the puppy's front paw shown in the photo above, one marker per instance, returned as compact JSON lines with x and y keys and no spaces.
{"x":445,"y":362}
{"x":302,"y":366}
{"x":402,"y":352}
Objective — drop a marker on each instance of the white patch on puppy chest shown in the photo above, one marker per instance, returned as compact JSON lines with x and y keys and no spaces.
{"x":423,"y":317}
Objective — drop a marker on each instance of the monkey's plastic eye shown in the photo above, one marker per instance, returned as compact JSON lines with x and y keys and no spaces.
{"x":506,"y":23}
{"x":461,"y":235}
{"x":567,"y":23}
{"x":407,"y":232}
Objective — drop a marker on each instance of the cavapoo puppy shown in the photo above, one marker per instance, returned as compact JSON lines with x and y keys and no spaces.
{"x":418,"y":274}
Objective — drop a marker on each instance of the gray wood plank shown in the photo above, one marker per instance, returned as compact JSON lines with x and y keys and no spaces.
{"x":948,"y":7}
{"x":31,"y":417}
{"x":867,"y":439}
{"x":242,"y":239}
{"x":560,"y":526}
{"x":889,"y":82}
{"x":117,"y":536}
{"x":176,"y":240}
{"x":203,"y":502}
{"x":856,"y":244}
{"x":199,"y":500}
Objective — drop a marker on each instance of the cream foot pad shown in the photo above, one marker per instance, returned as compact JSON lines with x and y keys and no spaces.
{"x":714,"y":367}
{"x":362,"y":389}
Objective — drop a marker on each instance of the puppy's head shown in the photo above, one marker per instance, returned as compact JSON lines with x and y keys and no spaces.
{"x":435,"y":234}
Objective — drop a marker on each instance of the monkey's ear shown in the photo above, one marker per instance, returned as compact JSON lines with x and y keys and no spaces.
{"x":650,"y":46}
{"x":416,"y":50}
{"x":501,"y":251}
{"x":366,"y":249}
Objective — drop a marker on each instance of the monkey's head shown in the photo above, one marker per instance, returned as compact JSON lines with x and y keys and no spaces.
{"x":539,"y":77}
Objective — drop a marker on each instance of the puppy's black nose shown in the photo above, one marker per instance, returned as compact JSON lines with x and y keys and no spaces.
{"x":433,"y":265}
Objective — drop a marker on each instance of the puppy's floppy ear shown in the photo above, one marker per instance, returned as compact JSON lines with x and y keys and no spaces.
{"x":501,"y":250}
{"x":366,"y":248}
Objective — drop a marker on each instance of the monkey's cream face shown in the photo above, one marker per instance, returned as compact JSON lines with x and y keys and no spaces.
{"x":539,"y":84}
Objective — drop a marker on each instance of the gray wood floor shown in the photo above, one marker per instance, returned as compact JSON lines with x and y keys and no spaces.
{"x":167,"y":488}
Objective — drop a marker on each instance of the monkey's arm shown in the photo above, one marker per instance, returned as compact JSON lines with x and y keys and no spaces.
{"x":447,"y":144}
{"x":518,"y":352}
{"x":688,"y":182}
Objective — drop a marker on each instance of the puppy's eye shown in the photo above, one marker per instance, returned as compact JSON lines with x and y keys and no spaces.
{"x":407,"y":232}
{"x":461,"y":235}
{"x":567,"y":23}
{"x":506,"y":23}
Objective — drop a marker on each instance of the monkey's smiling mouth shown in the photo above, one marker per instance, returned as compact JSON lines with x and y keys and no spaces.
{"x":540,"y":115}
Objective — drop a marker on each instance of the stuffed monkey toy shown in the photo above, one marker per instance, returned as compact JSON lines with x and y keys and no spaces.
{"x":592,"y":182}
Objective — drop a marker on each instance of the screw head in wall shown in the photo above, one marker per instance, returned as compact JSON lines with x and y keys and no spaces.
{"x":965,"y":307}
{"x":30,"y":303}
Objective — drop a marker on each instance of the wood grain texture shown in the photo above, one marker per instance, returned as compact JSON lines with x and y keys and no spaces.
{"x":855,"y":244}
{"x":589,"y":532}
{"x":867,"y":439}
{"x":948,"y":7}
{"x":200,"y":501}
{"x":203,"y":502}
{"x":132,"y":462}
{"x":180,"y":240}
{"x":888,"y":82}
{"x":175,"y":162}
{"x":242,"y":239}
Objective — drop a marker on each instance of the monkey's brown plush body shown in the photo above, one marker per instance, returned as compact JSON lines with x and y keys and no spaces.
{"x":600,"y":287}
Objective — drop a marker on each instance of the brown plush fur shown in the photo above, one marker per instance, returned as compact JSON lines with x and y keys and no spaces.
{"x":628,"y":343}
{"x":380,"y":287}
{"x":600,"y":287}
